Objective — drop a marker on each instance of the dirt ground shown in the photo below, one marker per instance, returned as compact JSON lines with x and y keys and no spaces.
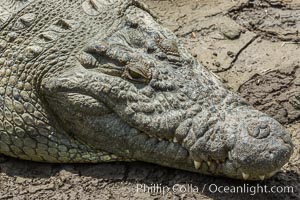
{"x":254,"y":46}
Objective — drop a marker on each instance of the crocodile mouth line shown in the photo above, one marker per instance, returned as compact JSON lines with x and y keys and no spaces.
{"x":215,"y":167}
{"x":211,"y":166}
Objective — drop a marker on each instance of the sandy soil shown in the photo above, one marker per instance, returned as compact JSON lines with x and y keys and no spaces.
{"x":253,"y":46}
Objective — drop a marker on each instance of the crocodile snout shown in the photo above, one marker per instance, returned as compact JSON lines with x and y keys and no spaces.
{"x":262,"y":146}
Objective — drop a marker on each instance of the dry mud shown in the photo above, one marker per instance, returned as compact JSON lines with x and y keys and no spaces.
{"x":253,"y":46}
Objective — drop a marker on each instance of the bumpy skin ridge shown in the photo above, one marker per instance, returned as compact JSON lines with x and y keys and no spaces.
{"x":101,"y":80}
{"x":27,"y":132}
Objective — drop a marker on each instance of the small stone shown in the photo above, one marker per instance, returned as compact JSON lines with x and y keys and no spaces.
{"x":20,"y":180}
{"x":194,"y":35}
{"x":37,"y":188}
{"x":259,"y":40}
{"x":297,"y":81}
{"x":230,"y":54}
{"x":230,"y":31}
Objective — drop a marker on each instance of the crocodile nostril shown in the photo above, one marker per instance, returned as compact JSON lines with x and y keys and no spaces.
{"x":259,"y":130}
{"x":269,"y":156}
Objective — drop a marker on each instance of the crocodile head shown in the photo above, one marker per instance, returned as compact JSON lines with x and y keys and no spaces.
{"x":135,"y":91}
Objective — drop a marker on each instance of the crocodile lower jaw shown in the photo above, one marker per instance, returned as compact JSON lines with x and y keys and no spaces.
{"x":212,"y":166}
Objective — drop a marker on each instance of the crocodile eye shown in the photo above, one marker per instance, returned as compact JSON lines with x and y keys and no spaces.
{"x":259,"y":130}
{"x":137,"y":74}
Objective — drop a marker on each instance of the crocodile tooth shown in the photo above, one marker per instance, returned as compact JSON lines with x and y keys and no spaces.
{"x":262,"y":177}
{"x":175,"y":140}
{"x":229,"y":155}
{"x":209,"y":163}
{"x":197,"y":164}
{"x":245,"y":176}
{"x":272,"y":173}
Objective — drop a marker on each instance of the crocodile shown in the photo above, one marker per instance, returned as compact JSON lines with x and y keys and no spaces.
{"x":91,"y":81}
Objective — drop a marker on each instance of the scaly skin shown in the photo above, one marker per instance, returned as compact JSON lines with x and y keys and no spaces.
{"x":101,"y":80}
